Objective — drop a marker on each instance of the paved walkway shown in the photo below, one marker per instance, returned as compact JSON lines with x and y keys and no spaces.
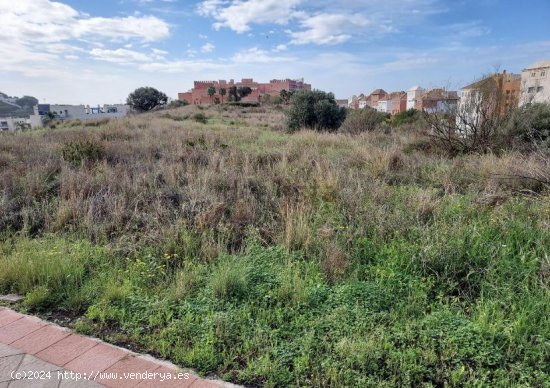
{"x":35,"y":353}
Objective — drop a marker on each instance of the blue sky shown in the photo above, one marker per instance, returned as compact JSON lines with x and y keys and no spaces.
{"x":76,"y":51}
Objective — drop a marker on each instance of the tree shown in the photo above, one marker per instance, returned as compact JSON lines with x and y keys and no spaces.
{"x":27,"y":101}
{"x":211,"y":92}
{"x":223,"y":92}
{"x":243,"y":92}
{"x":236,"y":94}
{"x":146,"y":98}
{"x":315,"y":110}
{"x":285,"y":96}
{"x":233,"y":96}
{"x":474,"y":125}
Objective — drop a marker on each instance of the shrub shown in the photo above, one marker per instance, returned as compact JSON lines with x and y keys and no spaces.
{"x":530,"y":125}
{"x":200,"y":118}
{"x":314,"y":110}
{"x":81,"y":151}
{"x":244,"y":104}
{"x":177,"y":103}
{"x":362,"y":120}
{"x":410,"y":116}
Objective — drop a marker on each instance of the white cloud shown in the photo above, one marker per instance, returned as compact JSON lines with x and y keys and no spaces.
{"x":159,"y":54}
{"x":256,"y":55}
{"x":181,"y":66}
{"x":280,"y":47}
{"x":207,"y":48}
{"x":322,"y":22}
{"x":145,"y":28}
{"x":49,"y":21}
{"x":37,"y":34}
{"x":119,"y":55}
{"x":328,"y":28}
{"x":238,"y":15}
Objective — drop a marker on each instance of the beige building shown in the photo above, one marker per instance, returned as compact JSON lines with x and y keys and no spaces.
{"x":12,"y":124}
{"x":490,"y":97}
{"x":535,"y":83}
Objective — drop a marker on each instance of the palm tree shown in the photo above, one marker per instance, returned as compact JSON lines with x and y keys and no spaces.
{"x":211,"y":92}
{"x":223,"y":91}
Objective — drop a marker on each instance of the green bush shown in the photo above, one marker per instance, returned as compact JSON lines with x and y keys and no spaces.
{"x":82,"y":151}
{"x":200,"y":118}
{"x":177,"y":103}
{"x":314,"y":110}
{"x":244,"y":104}
{"x":530,"y":124}
{"x":363,"y":120}
{"x":410,"y":116}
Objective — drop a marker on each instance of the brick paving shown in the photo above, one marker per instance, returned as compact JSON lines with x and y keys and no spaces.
{"x":35,"y":353}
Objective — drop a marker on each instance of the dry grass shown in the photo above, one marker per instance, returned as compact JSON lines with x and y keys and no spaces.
{"x":161,"y":173}
{"x":368,"y":260}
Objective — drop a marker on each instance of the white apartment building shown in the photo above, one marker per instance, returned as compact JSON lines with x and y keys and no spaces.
{"x":77,"y":112}
{"x":414,"y":95}
{"x":384,"y":106}
{"x":11,"y":124}
{"x":535,"y":84}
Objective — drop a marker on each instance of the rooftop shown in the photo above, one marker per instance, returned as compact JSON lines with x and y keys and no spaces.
{"x":538,"y":65}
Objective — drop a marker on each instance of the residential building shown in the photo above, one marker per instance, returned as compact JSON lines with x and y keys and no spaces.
{"x":199,"y":94}
{"x":77,"y":112}
{"x":438,"y":100}
{"x":398,"y":102}
{"x":384,"y":105}
{"x":343,"y":103}
{"x":414,"y":98}
{"x":12,"y":124}
{"x":363,"y":101}
{"x":496,"y":94}
{"x":535,"y":83}
{"x":375,"y":96}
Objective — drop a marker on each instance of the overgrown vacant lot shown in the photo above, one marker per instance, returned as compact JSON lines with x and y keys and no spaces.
{"x":216,"y":240}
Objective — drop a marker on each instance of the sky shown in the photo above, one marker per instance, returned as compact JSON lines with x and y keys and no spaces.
{"x":98,"y":51}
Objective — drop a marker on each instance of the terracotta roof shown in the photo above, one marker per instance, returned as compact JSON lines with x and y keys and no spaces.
{"x":378,"y":91}
{"x":439,"y":94}
{"x":491,"y":79}
{"x":394,"y":95}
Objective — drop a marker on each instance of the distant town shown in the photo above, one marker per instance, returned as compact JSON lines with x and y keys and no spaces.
{"x":532,"y":85}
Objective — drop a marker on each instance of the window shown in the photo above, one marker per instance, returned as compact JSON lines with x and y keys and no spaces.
{"x":533,"y":74}
{"x":543,"y":74}
{"x":531,"y":90}
{"x":539,"y":89}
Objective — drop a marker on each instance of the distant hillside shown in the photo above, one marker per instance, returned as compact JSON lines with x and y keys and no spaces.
{"x":17,"y":107}
{"x":12,"y":110}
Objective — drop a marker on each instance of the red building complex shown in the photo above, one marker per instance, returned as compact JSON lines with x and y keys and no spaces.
{"x":199,"y":94}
